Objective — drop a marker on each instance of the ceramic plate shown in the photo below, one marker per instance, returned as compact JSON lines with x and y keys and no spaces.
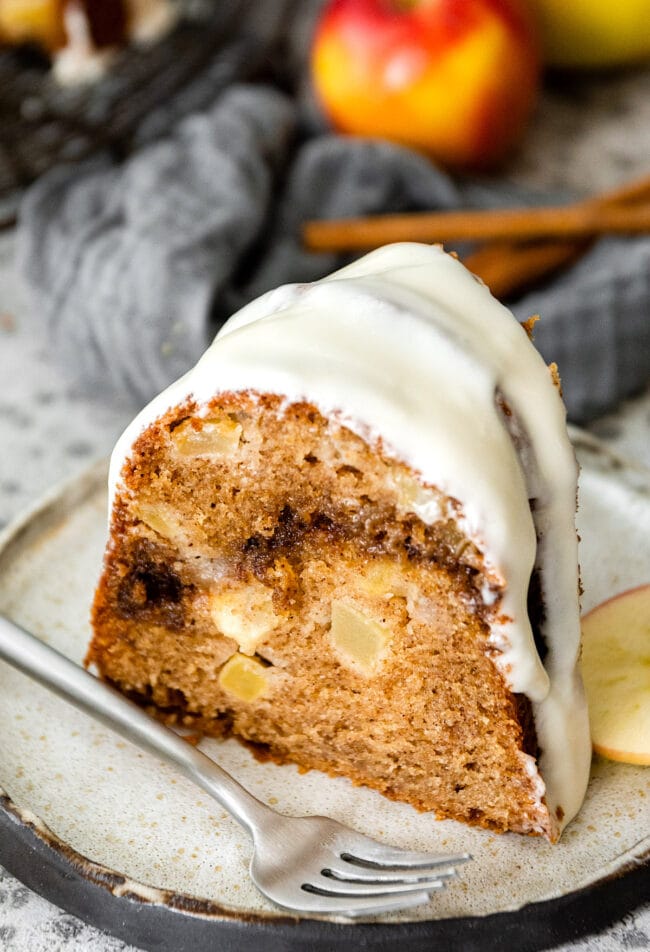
{"x":112,"y":835}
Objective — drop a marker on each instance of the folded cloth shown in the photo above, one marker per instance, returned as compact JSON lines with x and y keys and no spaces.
{"x":125,"y":260}
{"x":595,"y":323}
{"x":134,"y":266}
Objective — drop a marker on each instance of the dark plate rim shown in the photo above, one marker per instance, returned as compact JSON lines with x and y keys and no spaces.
{"x":166,"y":921}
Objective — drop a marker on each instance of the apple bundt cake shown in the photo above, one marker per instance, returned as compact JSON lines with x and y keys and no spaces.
{"x":347,"y":538}
{"x":83,"y":35}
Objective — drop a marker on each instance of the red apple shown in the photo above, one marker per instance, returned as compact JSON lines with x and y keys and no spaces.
{"x":454,"y":78}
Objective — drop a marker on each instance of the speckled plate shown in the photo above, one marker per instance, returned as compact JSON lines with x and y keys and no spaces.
{"x":119,"y":839}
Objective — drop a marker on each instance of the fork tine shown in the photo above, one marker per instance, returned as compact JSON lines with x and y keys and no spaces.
{"x":351,"y":906}
{"x":376,"y":855}
{"x":343,"y":889}
{"x":358,"y":874}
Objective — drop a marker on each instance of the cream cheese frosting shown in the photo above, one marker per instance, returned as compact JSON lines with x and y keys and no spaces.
{"x":406,"y":344}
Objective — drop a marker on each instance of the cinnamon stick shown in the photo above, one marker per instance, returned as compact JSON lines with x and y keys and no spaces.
{"x":524,"y":224}
{"x":635,"y":191}
{"x":509,"y":268}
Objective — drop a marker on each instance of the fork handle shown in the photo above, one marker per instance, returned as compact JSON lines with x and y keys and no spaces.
{"x":54,"y":671}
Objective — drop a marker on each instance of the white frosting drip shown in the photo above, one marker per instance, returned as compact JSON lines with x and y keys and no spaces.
{"x":406,"y":344}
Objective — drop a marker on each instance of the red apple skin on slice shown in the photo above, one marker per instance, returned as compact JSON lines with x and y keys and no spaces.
{"x":616,"y":671}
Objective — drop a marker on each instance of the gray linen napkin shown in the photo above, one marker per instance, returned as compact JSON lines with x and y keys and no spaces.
{"x":134,"y":266}
{"x":124,"y":261}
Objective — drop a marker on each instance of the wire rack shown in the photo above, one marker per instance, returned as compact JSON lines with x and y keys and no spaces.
{"x":43,"y":124}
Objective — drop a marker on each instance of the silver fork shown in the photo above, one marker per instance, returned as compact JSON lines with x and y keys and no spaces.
{"x":305,"y":864}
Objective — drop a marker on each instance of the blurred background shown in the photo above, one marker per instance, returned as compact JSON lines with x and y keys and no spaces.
{"x":162,"y":163}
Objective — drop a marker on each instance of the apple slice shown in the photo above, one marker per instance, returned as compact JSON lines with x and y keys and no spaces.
{"x":616,"y":671}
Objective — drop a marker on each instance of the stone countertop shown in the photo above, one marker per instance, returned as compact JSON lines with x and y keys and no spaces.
{"x":48,"y":433}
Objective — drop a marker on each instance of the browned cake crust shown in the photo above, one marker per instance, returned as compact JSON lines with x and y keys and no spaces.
{"x":268,"y":532}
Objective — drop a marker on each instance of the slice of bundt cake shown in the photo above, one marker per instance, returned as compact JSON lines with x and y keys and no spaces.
{"x":347,"y":535}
